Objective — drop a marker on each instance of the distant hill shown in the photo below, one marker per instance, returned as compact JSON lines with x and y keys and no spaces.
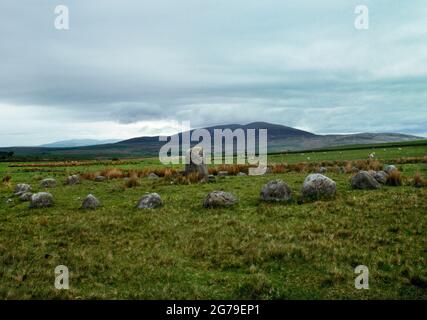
{"x":77,"y":143}
{"x":280,"y":139}
{"x":275,"y":132}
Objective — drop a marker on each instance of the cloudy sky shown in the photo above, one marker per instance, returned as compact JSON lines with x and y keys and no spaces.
{"x":132,"y":68}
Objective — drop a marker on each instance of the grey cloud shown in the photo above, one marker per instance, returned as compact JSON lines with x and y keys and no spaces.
{"x":299,"y":63}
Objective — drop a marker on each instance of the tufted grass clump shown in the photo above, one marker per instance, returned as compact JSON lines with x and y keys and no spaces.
{"x":6,"y":180}
{"x":419,"y":181}
{"x":113,"y":173}
{"x":132,"y":181}
{"x":395,"y":178}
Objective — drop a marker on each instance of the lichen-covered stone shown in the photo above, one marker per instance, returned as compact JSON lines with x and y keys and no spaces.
{"x":318,"y":186}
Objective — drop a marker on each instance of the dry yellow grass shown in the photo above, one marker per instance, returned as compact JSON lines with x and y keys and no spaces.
{"x":419,"y":181}
{"x":113,"y":173}
{"x":132,"y":181}
{"x":395,"y":178}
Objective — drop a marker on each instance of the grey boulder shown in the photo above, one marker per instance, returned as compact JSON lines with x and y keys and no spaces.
{"x":195,"y":162}
{"x":90,"y":202}
{"x":153,"y":176}
{"x":372,"y":172}
{"x":365,"y":181}
{"x":381,"y":177}
{"x":41,"y":200}
{"x":217,"y":199}
{"x":150,"y":201}
{"x":48,"y":183}
{"x":318,"y":186}
{"x":26,"y":196}
{"x":277,"y":191}
{"x":72,"y":180}
{"x":22,"y":188}
{"x":323,"y":170}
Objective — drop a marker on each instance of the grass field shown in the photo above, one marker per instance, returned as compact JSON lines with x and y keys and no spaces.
{"x":183,"y":251}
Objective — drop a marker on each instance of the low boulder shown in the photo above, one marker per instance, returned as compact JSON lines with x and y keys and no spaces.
{"x":241,"y":174}
{"x":381,"y":177}
{"x":318,"y":186}
{"x":322,"y":170}
{"x":364,"y":181}
{"x":153,"y":176}
{"x":372,"y":172}
{"x":22,"y":188}
{"x":41,"y":200}
{"x":276,"y":191}
{"x":218,"y":199}
{"x":150,"y":201}
{"x":72,"y":180}
{"x":222,"y":173}
{"x":90,"y":202}
{"x":26,"y":196}
{"x":100,"y":178}
{"x":48,"y":183}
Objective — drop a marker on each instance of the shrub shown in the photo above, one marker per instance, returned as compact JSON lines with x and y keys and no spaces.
{"x":143,"y":172}
{"x":369,"y":164}
{"x":7,"y":181}
{"x":213,"y":170}
{"x":375,"y":165}
{"x":335,"y":168}
{"x":89,"y":175}
{"x":163,"y":172}
{"x":169,"y":172}
{"x":278,"y":168}
{"x":348,"y":167}
{"x":191,"y":178}
{"x":395,"y":178}
{"x":132,"y":181}
{"x":112,"y":173}
{"x":299,"y":167}
{"x":419,"y":180}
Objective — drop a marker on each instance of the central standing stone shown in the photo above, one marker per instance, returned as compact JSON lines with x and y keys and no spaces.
{"x":195,"y":162}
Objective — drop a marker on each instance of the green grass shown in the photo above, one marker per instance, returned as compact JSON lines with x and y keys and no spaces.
{"x":351,"y":154}
{"x":387,"y":145}
{"x":183,"y":251}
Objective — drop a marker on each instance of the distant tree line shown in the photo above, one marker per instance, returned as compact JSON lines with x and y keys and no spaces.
{"x":6,"y":155}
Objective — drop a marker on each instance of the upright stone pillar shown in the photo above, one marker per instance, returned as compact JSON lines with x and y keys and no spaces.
{"x":195,"y":162}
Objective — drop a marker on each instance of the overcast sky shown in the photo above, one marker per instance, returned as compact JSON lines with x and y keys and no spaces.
{"x":133,"y":68}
